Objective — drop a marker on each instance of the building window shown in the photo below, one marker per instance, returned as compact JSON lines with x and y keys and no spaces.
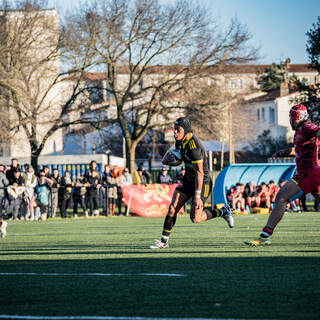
{"x":95,"y":92}
{"x":235,"y":84}
{"x":258,"y":114}
{"x":262,"y":114}
{"x":271,"y":115}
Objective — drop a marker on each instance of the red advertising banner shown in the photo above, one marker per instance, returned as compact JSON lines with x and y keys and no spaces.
{"x":152,"y":200}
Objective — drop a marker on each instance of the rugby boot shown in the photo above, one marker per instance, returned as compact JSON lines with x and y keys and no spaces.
{"x":227,"y":214}
{"x":259,"y":242}
{"x":159,"y":245}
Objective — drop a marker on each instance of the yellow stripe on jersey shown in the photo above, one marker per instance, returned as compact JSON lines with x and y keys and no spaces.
{"x":186,"y":142}
{"x":192,"y":144}
{"x":206,"y":190}
{"x":197,"y":161}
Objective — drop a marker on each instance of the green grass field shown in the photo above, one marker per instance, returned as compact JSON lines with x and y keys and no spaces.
{"x":222,"y":277}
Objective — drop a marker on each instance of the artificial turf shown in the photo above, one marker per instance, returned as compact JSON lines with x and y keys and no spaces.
{"x":222,"y":277}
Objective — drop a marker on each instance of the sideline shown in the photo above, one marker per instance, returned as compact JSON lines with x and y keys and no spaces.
{"x":103,"y":318}
{"x":39,"y":274}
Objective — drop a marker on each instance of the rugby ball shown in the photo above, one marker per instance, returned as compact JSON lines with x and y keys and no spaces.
{"x":177,"y":156}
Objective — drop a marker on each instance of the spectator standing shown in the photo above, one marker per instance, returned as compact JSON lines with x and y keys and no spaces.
{"x":78,"y":196}
{"x":105,"y":175}
{"x":3,"y":185}
{"x":93,"y":167}
{"x":94,"y":182}
{"x":106,"y":172}
{"x":164,"y":177}
{"x":12,"y":168}
{"x":53,"y":200}
{"x":44,"y":177}
{"x":46,"y":170}
{"x":126,"y":180}
{"x":114,"y":181}
{"x":42,"y":198}
{"x":64,"y":194}
{"x":30,"y":182}
{"x":15,"y":200}
{"x":15,"y":192}
{"x":16,"y":178}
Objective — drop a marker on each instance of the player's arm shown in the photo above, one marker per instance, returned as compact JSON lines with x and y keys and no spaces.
{"x":198,"y":168}
{"x":284,"y":153}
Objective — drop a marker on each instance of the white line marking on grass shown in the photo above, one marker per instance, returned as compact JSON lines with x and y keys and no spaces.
{"x":100,"y":318}
{"x":40,"y":274}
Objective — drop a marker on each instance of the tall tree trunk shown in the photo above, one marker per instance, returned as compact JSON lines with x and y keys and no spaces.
{"x":132,"y":156}
{"x":34,"y":159}
{"x":222,"y":154}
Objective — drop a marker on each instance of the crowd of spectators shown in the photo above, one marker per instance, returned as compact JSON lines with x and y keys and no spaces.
{"x":243,"y":197}
{"x":26,"y":195}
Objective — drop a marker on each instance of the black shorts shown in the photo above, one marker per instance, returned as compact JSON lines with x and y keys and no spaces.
{"x":189,"y":187}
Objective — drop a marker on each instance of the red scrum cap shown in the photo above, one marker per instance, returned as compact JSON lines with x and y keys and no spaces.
{"x":299,"y":113}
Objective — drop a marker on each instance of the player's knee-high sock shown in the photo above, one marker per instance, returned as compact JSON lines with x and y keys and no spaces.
{"x":266,"y":232}
{"x":169,"y":223}
{"x":212,"y":213}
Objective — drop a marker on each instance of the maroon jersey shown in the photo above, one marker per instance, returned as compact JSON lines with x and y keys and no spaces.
{"x":306,"y":146}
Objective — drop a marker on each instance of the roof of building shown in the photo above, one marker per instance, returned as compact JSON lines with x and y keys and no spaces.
{"x":217,"y":69}
{"x":272,"y":95}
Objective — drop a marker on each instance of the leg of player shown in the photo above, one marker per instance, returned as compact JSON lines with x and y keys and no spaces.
{"x":178,"y":201}
{"x":202,"y":213}
{"x":197,"y":214}
{"x":289,"y":190}
{"x":3,"y":228}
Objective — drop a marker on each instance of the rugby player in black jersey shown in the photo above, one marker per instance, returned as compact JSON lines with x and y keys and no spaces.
{"x":196,"y":183}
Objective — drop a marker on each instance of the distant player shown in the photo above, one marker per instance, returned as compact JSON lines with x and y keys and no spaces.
{"x":196,"y":183}
{"x":3,"y":228}
{"x":307,"y":177}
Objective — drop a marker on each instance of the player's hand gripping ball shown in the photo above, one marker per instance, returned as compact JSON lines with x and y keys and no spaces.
{"x":172,"y":157}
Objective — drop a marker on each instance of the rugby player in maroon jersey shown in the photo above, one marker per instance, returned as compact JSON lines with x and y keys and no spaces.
{"x":307,"y":177}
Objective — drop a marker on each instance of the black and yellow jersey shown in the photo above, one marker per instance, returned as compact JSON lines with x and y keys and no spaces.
{"x":193,"y":152}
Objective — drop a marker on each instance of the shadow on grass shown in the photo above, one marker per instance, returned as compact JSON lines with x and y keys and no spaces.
{"x":226,"y":287}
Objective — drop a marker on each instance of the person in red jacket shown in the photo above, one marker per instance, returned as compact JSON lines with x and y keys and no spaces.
{"x":272,"y":191}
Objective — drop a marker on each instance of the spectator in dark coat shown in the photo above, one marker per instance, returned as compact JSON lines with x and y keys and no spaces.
{"x":64,"y":194}
{"x":164,"y":177}
{"x":14,"y":165}
{"x":95,"y":183}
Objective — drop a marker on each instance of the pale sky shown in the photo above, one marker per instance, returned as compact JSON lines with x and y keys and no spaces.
{"x":278,"y":27}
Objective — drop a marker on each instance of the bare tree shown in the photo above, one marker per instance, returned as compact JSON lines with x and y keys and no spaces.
{"x":37,"y":97}
{"x":150,"y":51}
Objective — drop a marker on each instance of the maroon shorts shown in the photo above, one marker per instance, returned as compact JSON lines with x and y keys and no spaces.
{"x":308,"y":180}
